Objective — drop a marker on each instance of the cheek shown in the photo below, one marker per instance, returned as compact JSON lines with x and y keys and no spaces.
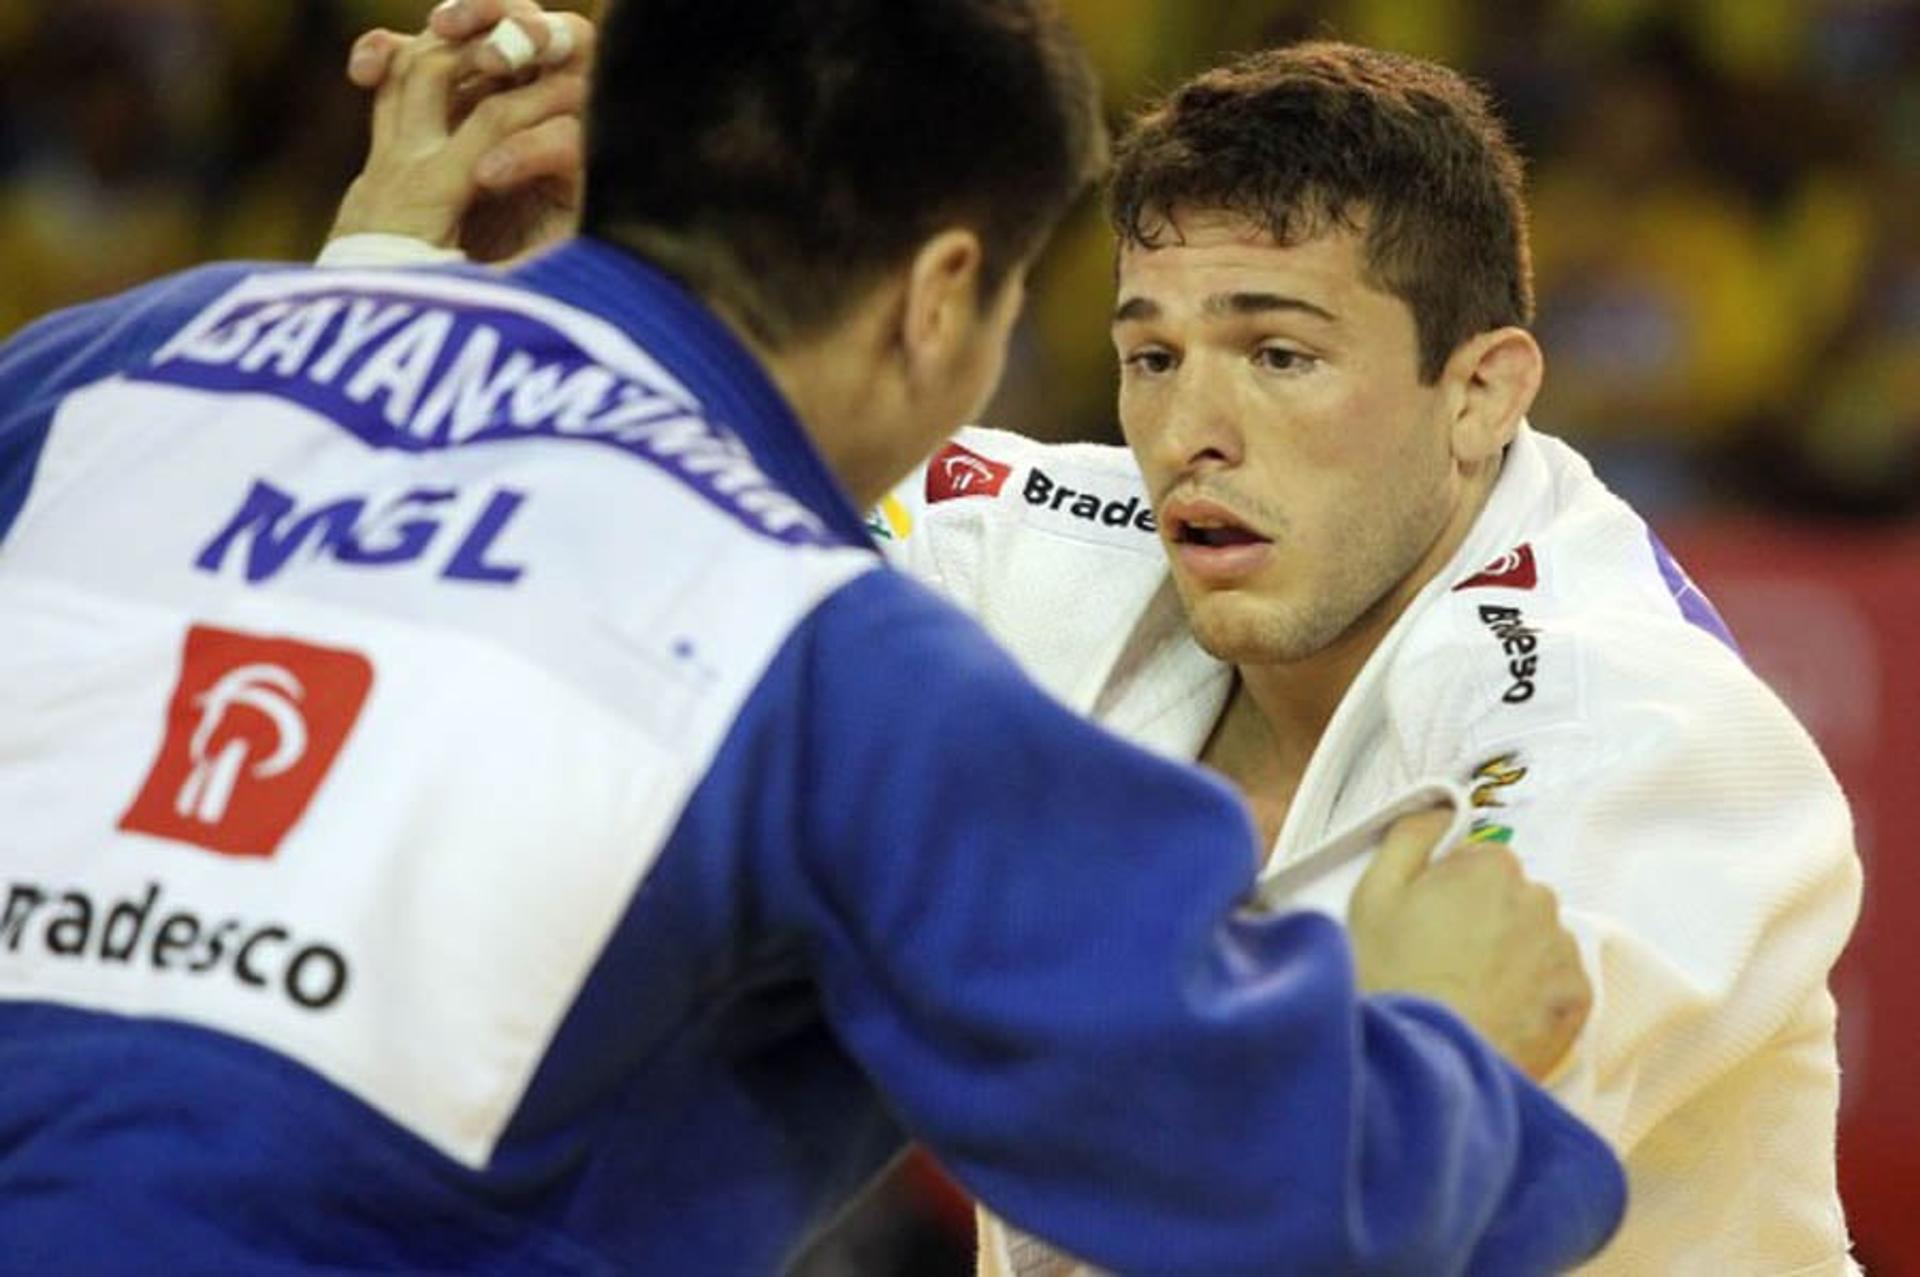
{"x":1361,"y":425}
{"x":1140,"y":429}
{"x":1381,"y":456}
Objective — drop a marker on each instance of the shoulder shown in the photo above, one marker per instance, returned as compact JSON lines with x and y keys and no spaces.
{"x":885,"y":650}
{"x":1585,"y":629}
{"x":1052,"y":547}
{"x":986,"y":480}
{"x":890,"y":633}
{"x":62,"y":349}
{"x":44,"y":363}
{"x":899,"y":676}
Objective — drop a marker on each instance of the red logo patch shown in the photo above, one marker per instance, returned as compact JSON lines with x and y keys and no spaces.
{"x":253,"y":727}
{"x":1511,"y":571}
{"x":956,"y":472}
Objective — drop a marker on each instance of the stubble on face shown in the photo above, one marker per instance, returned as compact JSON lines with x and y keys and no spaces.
{"x":1344,"y":467}
{"x":1381,"y":538}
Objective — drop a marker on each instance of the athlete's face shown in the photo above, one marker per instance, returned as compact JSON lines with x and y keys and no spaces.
{"x":1299,"y":469}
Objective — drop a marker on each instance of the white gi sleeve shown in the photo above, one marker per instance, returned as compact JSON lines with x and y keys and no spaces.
{"x":1704,"y":859}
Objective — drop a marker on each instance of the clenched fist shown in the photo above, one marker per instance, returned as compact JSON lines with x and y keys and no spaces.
{"x":1471,"y":930}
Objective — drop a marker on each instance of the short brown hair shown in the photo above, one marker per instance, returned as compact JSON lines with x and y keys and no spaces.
{"x":1308,"y":137}
{"x":776,"y":157}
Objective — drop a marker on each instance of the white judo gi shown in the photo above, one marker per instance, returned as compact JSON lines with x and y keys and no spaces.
{"x":1563,"y":669}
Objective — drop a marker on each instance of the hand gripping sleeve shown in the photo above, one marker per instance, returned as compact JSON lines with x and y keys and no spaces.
{"x":1032,"y":937}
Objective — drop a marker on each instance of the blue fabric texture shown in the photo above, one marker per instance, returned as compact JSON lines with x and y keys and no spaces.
{"x":912,"y":897}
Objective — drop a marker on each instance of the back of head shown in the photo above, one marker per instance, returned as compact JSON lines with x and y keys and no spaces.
{"x":1306,"y":138}
{"x":777,"y":157}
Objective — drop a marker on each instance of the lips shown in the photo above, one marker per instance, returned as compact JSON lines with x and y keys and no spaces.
{"x":1207,"y":523}
{"x":1213,"y":543}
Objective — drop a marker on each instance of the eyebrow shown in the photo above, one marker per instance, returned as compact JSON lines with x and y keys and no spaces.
{"x":1140,"y":309}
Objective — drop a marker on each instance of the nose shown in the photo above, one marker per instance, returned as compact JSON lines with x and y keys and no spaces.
{"x":1200,"y":430}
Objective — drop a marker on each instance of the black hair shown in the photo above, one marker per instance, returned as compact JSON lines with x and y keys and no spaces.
{"x":1312,"y":136}
{"x":776,"y":156}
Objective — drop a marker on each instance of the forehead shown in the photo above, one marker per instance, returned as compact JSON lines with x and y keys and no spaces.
{"x":1205,"y":256}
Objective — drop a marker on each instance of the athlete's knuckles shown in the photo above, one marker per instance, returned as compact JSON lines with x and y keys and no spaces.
{"x":497,"y":114}
{"x":426,"y":57}
{"x":458,"y":19}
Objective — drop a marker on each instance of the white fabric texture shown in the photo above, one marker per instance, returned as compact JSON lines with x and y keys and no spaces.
{"x":1700,"y":847}
{"x":374,"y":251}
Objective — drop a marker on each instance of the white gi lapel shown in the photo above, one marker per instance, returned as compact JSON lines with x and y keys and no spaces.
{"x":1357,"y":730}
{"x":1281,"y":889}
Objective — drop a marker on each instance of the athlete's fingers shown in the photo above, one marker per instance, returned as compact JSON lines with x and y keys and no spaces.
{"x":1404,"y":853}
{"x":372,"y":57}
{"x":571,"y":42}
{"x":502,"y":115}
{"x":527,"y":37}
{"x":457,"y":20}
{"x":421,"y":86}
{"x":554,"y":149}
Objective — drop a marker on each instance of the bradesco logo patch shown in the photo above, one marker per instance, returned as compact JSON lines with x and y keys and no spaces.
{"x":1513,"y":570}
{"x":960,"y":472}
{"x":71,"y":924}
{"x":253,"y":727}
{"x":1519,"y":643}
{"x":1061,"y":499}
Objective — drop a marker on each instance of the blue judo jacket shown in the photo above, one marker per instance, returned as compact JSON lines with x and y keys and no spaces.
{"x":475,"y":802}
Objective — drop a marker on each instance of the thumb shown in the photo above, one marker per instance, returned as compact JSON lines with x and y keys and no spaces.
{"x":1405,"y":851}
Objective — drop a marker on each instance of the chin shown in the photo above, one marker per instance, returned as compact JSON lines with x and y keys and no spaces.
{"x":1249,"y":631}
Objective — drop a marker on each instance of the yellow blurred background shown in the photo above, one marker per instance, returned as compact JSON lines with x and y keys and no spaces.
{"x":1724,"y":196}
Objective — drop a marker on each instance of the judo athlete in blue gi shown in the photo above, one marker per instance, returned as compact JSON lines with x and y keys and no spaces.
{"x":470,"y":799}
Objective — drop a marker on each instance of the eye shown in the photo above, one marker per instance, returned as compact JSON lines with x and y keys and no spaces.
{"x":1284,"y":359}
{"x":1152,"y":361}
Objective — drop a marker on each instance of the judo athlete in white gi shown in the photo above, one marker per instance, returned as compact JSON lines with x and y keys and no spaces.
{"x":1351,"y":567}
{"x":1338,"y":563}
{"x":466,"y":803}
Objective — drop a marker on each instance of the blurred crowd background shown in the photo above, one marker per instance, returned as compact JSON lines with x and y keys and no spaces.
{"x":1727,"y":250}
{"x":1724,"y":197}
{"x":1728,"y":260}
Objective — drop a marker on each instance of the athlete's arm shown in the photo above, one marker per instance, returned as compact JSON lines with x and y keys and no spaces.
{"x":1704,"y":858}
{"x":1032,"y":936}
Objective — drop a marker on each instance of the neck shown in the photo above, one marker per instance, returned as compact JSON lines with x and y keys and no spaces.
{"x":830,"y":387}
{"x":1294,"y":701}
{"x":829,"y":379}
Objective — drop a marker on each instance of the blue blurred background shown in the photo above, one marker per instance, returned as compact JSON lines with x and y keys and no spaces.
{"x":1728,"y":257}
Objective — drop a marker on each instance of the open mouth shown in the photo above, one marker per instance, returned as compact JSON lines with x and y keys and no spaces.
{"x":1207,"y":524}
{"x":1215,"y":534}
{"x":1211,"y":543}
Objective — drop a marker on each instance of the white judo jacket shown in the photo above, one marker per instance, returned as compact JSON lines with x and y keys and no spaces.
{"x":1567,"y":674}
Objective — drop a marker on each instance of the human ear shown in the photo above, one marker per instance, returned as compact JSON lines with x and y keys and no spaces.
{"x":940,"y":307}
{"x":1494,"y":377}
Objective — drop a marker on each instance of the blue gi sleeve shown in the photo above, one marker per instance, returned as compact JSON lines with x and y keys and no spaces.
{"x":1033,"y":937}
